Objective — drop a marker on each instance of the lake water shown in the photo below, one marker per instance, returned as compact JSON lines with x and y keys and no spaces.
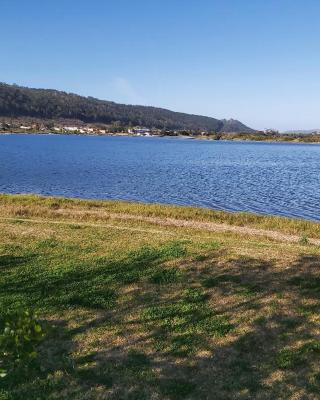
{"x":269,"y":178}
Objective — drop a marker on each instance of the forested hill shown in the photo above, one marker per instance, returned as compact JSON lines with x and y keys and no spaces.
{"x":17,"y":101}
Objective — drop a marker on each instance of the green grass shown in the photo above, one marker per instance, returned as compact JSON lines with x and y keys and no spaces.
{"x":165,"y":276}
{"x":291,"y":358}
{"x":176,"y":313}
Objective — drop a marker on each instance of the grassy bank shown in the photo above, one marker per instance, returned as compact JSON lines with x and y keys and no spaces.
{"x":51,"y":207}
{"x":138,"y":310}
{"x":269,"y":137}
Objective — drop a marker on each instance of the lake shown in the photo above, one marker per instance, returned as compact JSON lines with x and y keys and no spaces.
{"x":268,"y":178}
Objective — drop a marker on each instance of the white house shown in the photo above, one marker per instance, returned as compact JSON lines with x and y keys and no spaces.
{"x":140,"y":131}
{"x":70,"y":128}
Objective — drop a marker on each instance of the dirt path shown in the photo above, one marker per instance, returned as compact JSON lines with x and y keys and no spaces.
{"x":200,"y":225}
{"x":215,"y":227}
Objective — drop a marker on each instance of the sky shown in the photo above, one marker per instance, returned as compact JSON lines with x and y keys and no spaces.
{"x":253,"y":60}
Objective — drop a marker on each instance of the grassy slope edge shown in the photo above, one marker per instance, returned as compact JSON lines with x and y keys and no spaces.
{"x":33,"y":205}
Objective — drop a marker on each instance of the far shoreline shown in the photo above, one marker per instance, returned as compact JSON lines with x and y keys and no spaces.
{"x":187,"y":137}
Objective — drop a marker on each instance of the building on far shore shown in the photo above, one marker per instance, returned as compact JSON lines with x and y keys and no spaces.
{"x":139,"y":131}
{"x":70,"y":128}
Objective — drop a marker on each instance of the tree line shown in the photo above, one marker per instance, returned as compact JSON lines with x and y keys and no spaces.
{"x":17,"y":101}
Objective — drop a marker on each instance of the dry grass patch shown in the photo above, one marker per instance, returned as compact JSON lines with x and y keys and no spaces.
{"x":52,"y":207}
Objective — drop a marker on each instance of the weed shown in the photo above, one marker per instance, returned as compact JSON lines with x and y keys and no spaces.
{"x":75,"y":226}
{"x":47,"y":244}
{"x":174,"y":249}
{"x":165,"y":276}
{"x":212,"y":245}
{"x":291,"y":358}
{"x":194,"y":295}
{"x":288,"y":358}
{"x":304,"y":240}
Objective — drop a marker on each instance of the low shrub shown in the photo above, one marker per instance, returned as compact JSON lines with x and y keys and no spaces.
{"x":20,"y":334}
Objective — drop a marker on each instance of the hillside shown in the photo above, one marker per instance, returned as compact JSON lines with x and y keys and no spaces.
{"x":17,"y":101}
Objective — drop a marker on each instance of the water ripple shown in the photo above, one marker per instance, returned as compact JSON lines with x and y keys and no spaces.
{"x":279,"y":178}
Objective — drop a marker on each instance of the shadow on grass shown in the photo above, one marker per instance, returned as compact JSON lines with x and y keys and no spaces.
{"x":241,"y":329}
{"x":9,"y":261}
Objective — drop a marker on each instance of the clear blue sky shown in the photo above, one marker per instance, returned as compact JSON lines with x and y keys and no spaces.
{"x":254,"y":60}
